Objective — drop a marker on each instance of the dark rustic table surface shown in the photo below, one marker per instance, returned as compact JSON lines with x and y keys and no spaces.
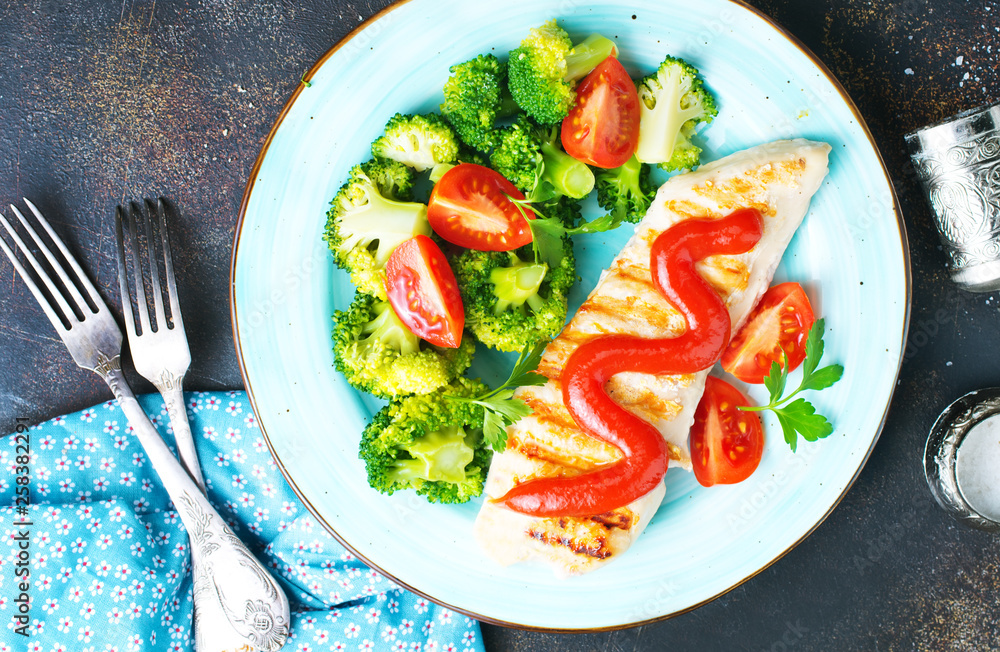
{"x":105,"y":101}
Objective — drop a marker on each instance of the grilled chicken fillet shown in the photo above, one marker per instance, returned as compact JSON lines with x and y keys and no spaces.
{"x":778,"y":179}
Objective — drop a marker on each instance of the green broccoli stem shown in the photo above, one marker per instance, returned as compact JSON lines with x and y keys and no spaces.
{"x":586,"y":55}
{"x":387,"y":221}
{"x":439,"y":170}
{"x":627,"y":183}
{"x":627,"y":177}
{"x":387,"y":328}
{"x":518,"y":284}
{"x":567,"y":175}
{"x":508,"y":107}
{"x":439,"y":456}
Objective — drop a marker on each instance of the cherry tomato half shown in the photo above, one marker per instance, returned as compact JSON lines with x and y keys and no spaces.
{"x":602,"y":128}
{"x":470,"y":206}
{"x":781,"y":321}
{"x":423,"y":292}
{"x":726,"y":443}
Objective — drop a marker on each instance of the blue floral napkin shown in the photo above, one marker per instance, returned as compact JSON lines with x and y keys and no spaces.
{"x":103,"y":556}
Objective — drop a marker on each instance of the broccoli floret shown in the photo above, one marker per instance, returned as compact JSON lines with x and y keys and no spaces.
{"x":378,"y":354}
{"x":366,"y":221}
{"x":469,"y":155}
{"x":419,"y":141}
{"x":532,"y":158}
{"x":626,"y":192}
{"x":393,"y":179}
{"x":510,"y":298}
{"x":542,"y":71}
{"x":672,"y":102}
{"x":475,"y":95}
{"x":430,"y":444}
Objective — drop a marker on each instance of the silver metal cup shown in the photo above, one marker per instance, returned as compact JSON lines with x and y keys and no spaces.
{"x":941,"y":454}
{"x":958,"y":162}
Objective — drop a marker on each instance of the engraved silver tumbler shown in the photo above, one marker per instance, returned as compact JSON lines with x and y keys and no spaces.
{"x":958,"y":162}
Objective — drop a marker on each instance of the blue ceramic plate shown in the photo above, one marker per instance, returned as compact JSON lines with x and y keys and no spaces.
{"x":850,"y":254}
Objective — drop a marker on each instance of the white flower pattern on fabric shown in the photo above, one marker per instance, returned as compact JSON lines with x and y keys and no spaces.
{"x":110,"y":564}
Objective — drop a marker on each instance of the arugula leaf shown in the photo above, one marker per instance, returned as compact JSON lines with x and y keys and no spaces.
{"x":500,"y":408}
{"x":799,"y":417}
{"x":600,"y":224}
{"x":554,"y":227}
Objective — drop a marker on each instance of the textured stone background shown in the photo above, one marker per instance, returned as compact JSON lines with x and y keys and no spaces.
{"x":101,"y":102}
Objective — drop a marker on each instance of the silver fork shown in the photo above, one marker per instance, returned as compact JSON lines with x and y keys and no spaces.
{"x":230,"y":584}
{"x":162,"y":356}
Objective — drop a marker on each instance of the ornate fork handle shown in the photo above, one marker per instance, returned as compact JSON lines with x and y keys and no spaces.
{"x":228,"y":571}
{"x":171,"y":389}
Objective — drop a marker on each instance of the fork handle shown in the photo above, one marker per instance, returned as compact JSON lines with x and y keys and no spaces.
{"x":228,"y":579}
{"x":171,"y":389}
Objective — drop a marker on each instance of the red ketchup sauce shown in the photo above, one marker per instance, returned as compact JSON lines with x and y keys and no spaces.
{"x":672,"y":262}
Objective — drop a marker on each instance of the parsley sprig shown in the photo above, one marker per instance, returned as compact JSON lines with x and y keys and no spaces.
{"x":500,"y":407}
{"x":547,"y":232}
{"x":799,"y":417}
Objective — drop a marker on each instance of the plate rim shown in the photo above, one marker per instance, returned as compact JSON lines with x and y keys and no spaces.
{"x":314,"y":512}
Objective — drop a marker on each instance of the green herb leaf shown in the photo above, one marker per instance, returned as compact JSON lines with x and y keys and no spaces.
{"x":495,"y":431}
{"x":547,"y":232}
{"x":502,"y":403}
{"x":788,"y":430}
{"x":799,"y":417}
{"x":547,"y":246}
{"x":524,"y":369}
{"x":814,"y":347}
{"x":500,"y":407}
{"x":501,"y":410}
{"x":775,"y":381}
{"x":823,"y":378}
{"x":606,"y":222}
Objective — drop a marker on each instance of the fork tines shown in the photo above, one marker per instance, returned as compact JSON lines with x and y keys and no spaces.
{"x":55,"y":299}
{"x":127,"y":224}
{"x":85,"y":325}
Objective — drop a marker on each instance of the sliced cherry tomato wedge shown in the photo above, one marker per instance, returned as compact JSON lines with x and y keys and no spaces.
{"x":470,"y":206}
{"x":781,"y":321}
{"x":726,"y":443}
{"x":423,"y":292}
{"x":602,"y":128}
